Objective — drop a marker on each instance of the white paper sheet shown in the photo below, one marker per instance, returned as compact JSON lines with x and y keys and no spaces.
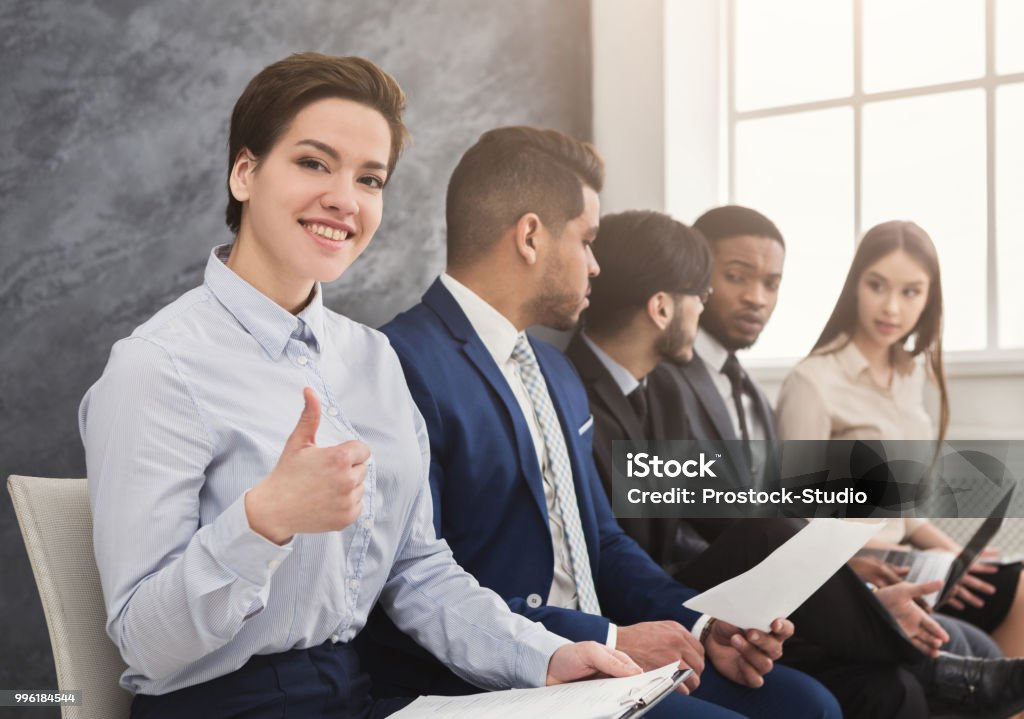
{"x":595,"y":699}
{"x":787,"y":576}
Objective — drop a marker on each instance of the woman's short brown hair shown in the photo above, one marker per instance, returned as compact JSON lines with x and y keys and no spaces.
{"x":280,"y":91}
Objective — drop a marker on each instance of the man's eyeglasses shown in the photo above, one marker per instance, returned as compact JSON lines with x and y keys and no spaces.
{"x":704,"y":294}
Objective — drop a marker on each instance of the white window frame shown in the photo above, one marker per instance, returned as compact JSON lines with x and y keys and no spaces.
{"x":995,"y":359}
{"x":664,"y":119}
{"x":659,"y":118}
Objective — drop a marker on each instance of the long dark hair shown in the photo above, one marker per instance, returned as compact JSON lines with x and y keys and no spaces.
{"x":880,"y":241}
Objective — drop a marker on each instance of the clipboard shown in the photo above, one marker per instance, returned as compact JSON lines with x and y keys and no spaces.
{"x":643,"y":700}
{"x":607,"y":698}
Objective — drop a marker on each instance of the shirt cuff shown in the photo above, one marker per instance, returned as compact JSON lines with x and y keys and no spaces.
{"x":248,"y":554}
{"x":613,"y":636}
{"x":698,"y":626}
{"x":535,"y":650}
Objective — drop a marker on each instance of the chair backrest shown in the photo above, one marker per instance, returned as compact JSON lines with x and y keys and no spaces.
{"x":57,"y":527}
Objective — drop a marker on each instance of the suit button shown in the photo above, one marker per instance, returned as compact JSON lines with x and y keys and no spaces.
{"x":534,"y":601}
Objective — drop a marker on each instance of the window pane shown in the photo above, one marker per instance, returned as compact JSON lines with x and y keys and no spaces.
{"x":1010,"y":212}
{"x":790,"y":51}
{"x":798,"y":170}
{"x":909,"y":43}
{"x":1009,"y":31}
{"x":924,"y":160}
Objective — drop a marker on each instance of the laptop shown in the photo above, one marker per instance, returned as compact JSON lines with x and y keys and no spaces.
{"x":927,"y":566}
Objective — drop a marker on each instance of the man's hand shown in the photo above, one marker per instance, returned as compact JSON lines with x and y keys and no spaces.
{"x":652,"y":645}
{"x":879,"y":573}
{"x":312,"y":489}
{"x":901,"y":601}
{"x":588,"y":660}
{"x":746,"y":656}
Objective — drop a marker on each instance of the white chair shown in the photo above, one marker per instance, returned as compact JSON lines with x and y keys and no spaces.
{"x":57,"y":527}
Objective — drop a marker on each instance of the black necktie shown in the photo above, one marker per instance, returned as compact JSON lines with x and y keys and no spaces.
{"x":638,"y":399}
{"x":738,"y":380}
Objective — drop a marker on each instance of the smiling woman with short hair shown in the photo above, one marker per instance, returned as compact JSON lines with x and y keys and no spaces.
{"x":240,"y":552}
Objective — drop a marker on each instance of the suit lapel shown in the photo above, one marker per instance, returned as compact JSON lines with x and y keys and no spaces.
{"x":659,"y":419}
{"x":696,"y":374}
{"x":605,"y":389}
{"x":765,"y":410}
{"x":447,"y":309}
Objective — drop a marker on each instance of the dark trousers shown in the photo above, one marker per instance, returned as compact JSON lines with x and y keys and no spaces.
{"x":324,"y":681}
{"x":844,"y":637}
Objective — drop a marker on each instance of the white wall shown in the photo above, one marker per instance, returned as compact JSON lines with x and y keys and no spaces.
{"x":629,"y":110}
{"x":641,"y":49}
{"x":658,"y":113}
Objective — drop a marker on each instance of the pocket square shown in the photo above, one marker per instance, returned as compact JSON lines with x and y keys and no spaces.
{"x":586,"y":425}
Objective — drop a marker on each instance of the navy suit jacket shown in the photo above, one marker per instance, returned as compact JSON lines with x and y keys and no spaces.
{"x":489,"y":497}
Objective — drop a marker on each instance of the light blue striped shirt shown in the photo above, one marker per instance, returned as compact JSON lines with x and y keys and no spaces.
{"x":192,"y":410}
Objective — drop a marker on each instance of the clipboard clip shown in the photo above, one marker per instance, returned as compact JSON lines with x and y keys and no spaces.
{"x":655,"y":689}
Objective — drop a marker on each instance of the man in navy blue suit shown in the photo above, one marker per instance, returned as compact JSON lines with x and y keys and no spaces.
{"x":516,"y":493}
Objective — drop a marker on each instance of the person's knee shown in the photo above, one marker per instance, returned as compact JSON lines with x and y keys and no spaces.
{"x":677,"y":706}
{"x":820,"y":702}
{"x":875,"y":690}
{"x":804,"y":697}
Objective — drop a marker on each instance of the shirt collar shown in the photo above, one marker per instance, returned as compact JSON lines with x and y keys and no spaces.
{"x":850,"y":359}
{"x":710,"y":350}
{"x":270,"y":324}
{"x":494,"y":329}
{"x":622,"y":376}
{"x":853,"y":362}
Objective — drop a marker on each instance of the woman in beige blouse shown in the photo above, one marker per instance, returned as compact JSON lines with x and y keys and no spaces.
{"x":865,"y":379}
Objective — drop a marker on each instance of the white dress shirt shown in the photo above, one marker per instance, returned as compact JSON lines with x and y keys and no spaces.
{"x":714,"y":355}
{"x":624,"y":379}
{"x":499,"y":337}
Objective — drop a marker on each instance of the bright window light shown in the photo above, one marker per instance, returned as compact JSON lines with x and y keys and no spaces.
{"x":912,"y":43}
{"x":1009,"y":33}
{"x":840,"y":122}
{"x":791,"y":51}
{"x":924,"y":160}
{"x":1010,"y":212}
{"x":798,"y":170}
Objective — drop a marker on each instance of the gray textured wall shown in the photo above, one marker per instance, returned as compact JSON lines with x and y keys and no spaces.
{"x":112,"y":163}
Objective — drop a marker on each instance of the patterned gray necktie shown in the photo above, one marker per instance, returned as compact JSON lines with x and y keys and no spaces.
{"x":561,"y":470}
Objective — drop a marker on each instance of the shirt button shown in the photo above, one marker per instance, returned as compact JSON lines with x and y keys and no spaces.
{"x":332,"y":411}
{"x":365,"y":524}
{"x":534,"y":601}
{"x":335,"y":639}
{"x":274,"y":563}
{"x":303,"y":360}
{"x":353,"y":584}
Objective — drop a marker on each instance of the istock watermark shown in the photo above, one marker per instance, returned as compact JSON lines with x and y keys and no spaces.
{"x":878,"y":479}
